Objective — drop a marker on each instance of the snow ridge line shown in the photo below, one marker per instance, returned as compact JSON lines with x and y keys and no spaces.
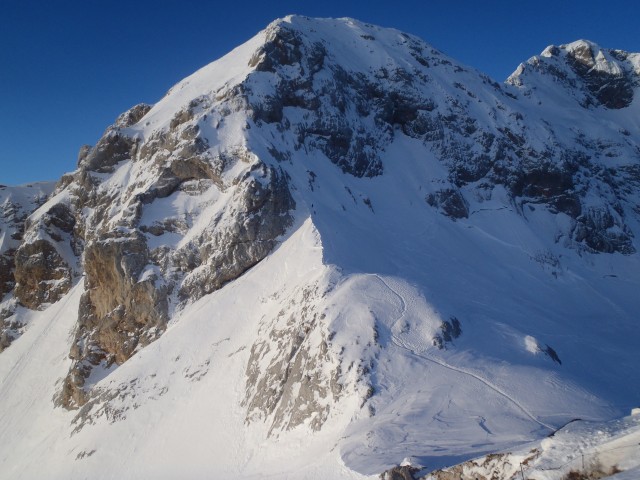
{"x":398,"y":342}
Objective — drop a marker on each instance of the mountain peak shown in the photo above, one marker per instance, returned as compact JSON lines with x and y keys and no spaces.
{"x":348,"y":41}
{"x":591,"y":57}
{"x":592,"y":75}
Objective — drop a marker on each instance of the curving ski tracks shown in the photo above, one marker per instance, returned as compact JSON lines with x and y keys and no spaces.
{"x":398,"y":342}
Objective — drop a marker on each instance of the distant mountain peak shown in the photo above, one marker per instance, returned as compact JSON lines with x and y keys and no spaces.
{"x":594,"y":76}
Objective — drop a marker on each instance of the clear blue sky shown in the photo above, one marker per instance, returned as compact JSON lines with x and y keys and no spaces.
{"x":69,"y":68}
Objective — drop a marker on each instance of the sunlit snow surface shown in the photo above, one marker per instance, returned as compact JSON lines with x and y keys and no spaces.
{"x":393,"y":270}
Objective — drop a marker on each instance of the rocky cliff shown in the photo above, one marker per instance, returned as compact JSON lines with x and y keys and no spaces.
{"x":16,"y":204}
{"x":140,"y":257}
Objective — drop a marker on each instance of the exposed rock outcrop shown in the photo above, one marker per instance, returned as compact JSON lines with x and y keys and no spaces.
{"x":450,"y":202}
{"x":16,"y":204}
{"x":449,"y":331}
{"x":492,"y":466}
{"x":294,"y":387}
{"x":133,"y":274}
{"x":42,"y":275}
{"x":606,"y":81}
{"x":402,"y":472}
{"x":123,"y":308}
{"x":239,"y":239}
{"x":494,"y":145}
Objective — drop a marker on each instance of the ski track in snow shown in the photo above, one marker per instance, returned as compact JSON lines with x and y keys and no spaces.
{"x":398,"y":342}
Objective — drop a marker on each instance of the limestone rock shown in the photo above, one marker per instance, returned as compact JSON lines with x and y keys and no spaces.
{"x":16,"y":204}
{"x":293,"y":388}
{"x":247,"y":234}
{"x":131,"y":286}
{"x":42,"y":276}
{"x":403,"y":472}
{"x":122,"y":309}
{"x":173,"y":204}
{"x":45,"y":262}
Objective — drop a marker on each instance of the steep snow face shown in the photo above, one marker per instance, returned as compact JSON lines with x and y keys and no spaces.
{"x":341,"y":248}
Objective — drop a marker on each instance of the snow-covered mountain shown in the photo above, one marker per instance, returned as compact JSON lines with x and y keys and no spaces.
{"x":329,"y":250}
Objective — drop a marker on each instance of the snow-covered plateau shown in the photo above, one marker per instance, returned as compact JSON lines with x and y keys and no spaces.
{"x":332,"y":252}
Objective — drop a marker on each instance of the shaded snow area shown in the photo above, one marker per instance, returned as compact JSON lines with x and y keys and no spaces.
{"x":580,"y":450}
{"x":333,"y":251}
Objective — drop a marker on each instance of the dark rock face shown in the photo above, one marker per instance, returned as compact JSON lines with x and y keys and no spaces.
{"x":46,"y":262}
{"x":560,"y":177}
{"x":613,"y":90}
{"x":449,"y":331}
{"x":132,"y":116}
{"x":109,"y":151}
{"x":120,"y":310}
{"x":450,"y":202}
{"x":225,"y":253}
{"x":283,"y":47}
{"x":6,"y":274}
{"x":345,"y":143}
{"x":113,"y":147}
{"x":13,"y":215}
{"x":602,"y":230}
{"x":599,"y":77}
{"x":475,"y":150}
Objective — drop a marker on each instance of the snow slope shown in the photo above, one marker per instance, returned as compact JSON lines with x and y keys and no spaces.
{"x":593,"y":449}
{"x":457,"y":276}
{"x":177,"y":410}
